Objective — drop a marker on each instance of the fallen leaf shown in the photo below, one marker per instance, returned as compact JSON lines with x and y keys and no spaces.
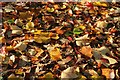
{"x":32,"y":52}
{"x":12,"y":58}
{"x":66,"y":60}
{"x":103,"y":50}
{"x":100,"y":4}
{"x":30,"y":25}
{"x":50,"y":9}
{"x":82,"y":27}
{"x":19,"y":22}
{"x":77,"y":31}
{"x":25,"y":15}
{"x":18,"y":32}
{"x":93,"y":72}
{"x":69,"y":73}
{"x":8,"y":8}
{"x":39,"y":52}
{"x":82,"y":40}
{"x":55,"y":54}
{"x":48,"y":76}
{"x":21,"y":46}
{"x":101,"y":24}
{"x":41,"y":39}
{"x":14,"y":27}
{"x":24,"y":58}
{"x":106,"y":72}
{"x":19,"y":71}
{"x":87,"y":51}
{"x":2,"y":40}
{"x":10,"y":21}
{"x":111,"y":60}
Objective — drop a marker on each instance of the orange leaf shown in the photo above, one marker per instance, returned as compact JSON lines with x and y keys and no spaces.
{"x":106,"y":72}
{"x":86,"y":50}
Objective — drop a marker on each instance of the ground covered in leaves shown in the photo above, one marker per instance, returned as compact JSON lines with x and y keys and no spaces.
{"x":51,"y":40}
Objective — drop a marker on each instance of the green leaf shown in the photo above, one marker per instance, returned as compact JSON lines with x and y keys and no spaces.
{"x":77,"y":31}
{"x":68,"y":33}
{"x":10,"y":21}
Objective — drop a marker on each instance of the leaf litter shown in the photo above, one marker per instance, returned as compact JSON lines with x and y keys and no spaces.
{"x":60,"y":40}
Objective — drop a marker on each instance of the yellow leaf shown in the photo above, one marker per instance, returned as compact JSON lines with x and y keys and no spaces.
{"x":37,"y":32}
{"x":82,"y":27}
{"x":55,"y":37}
{"x":104,"y":5}
{"x":2,"y":40}
{"x":55,"y":54}
{"x":100,"y":4}
{"x":30,"y":25}
{"x":48,"y":75}
{"x":19,"y":71}
{"x":41,"y":39}
{"x":17,"y":32}
{"x":50,"y":9}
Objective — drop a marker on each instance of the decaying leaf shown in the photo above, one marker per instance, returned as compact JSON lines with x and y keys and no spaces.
{"x":103,"y":50}
{"x":87,"y":51}
{"x":101,"y":24}
{"x":39,"y":52}
{"x":14,"y":27}
{"x":69,"y":73}
{"x":32,"y":52}
{"x":66,"y":60}
{"x":111,"y":60}
{"x":25,"y":15}
{"x":13,"y":77}
{"x":21,"y":46}
{"x":82,"y":40}
{"x":17,"y":32}
{"x":19,"y":22}
{"x":12,"y":58}
{"x":93,"y":72}
{"x":8,"y":8}
{"x":24,"y":58}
